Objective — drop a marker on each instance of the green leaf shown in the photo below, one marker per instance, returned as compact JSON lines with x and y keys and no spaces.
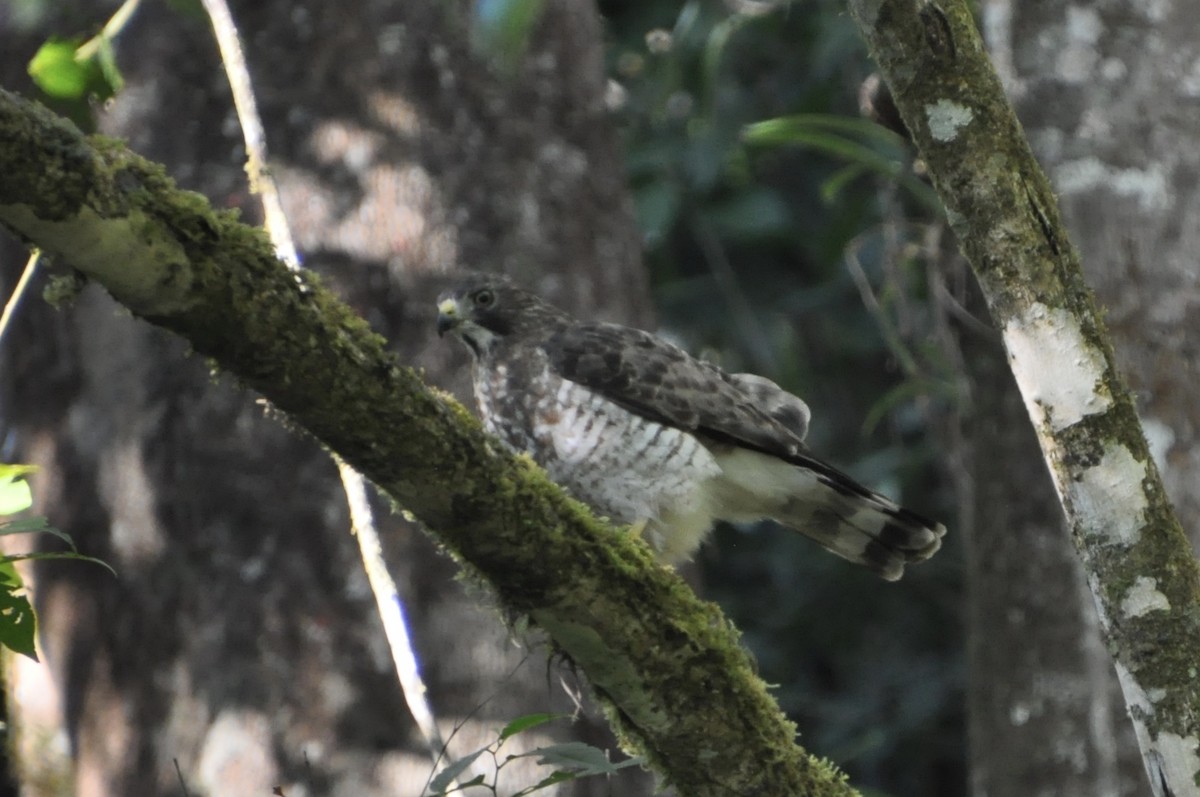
{"x":582,"y":758}
{"x":44,"y":555}
{"x":10,"y":472}
{"x":714,"y":49}
{"x":790,"y":129}
{"x":67,"y":70}
{"x":25,"y":526}
{"x":884,"y":152}
{"x":18,"y":624}
{"x":527,"y":722}
{"x":41,"y":524}
{"x":443,"y":779}
{"x":833,"y":187}
{"x":56,"y":71}
{"x":558,"y":776}
{"x":14,"y":495}
{"x":10,"y":578}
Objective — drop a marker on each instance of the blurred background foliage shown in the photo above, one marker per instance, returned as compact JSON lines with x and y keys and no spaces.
{"x":785,"y":234}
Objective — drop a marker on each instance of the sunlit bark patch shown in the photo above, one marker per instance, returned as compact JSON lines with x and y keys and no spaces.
{"x":1059,"y":373}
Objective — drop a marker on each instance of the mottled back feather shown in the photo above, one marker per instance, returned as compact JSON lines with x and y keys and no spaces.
{"x":658,"y":380}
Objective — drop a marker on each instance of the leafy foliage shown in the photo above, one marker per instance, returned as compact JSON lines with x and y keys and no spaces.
{"x":18,"y":622}
{"x":58,"y":70}
{"x":569,"y":760}
{"x":865,"y":147}
{"x":74,"y":73}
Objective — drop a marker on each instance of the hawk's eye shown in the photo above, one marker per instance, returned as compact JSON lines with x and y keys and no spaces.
{"x":485,"y":298}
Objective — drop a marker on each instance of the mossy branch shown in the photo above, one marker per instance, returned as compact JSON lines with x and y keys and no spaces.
{"x":679,"y":687}
{"x":1140,"y":566}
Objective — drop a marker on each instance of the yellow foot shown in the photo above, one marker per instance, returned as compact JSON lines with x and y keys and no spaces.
{"x":638,"y":528}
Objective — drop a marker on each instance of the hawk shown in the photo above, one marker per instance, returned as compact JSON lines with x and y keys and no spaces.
{"x":649,"y":436}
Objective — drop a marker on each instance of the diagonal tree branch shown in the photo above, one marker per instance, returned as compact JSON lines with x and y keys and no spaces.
{"x":680,"y":688}
{"x":1141,"y":569}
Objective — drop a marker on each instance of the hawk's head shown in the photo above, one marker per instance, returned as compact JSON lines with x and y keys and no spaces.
{"x":483,"y":309}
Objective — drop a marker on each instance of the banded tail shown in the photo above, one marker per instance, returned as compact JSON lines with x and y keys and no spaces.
{"x":828,"y":506}
{"x":857,"y":523}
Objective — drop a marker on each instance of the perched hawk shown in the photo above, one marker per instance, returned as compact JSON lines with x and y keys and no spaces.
{"x":648,"y":435}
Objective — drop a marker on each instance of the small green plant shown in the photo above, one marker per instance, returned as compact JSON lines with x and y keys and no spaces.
{"x":570,"y":760}
{"x":74,"y":73}
{"x":18,"y":623}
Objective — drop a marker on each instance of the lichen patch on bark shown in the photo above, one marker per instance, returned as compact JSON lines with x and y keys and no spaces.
{"x":1144,"y":597}
{"x":946,"y":118}
{"x":1060,"y":373}
{"x":1110,"y":498}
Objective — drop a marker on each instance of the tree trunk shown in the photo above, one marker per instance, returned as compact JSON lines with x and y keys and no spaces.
{"x":1109,"y":102}
{"x":1139,"y":566}
{"x":1031,"y":658}
{"x":239,"y":638}
{"x":1044,"y":710}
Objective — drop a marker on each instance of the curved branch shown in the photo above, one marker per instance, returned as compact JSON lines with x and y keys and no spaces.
{"x":1140,"y":566}
{"x":680,"y":688}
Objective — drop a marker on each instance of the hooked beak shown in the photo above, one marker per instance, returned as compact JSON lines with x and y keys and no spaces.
{"x":448,"y":316}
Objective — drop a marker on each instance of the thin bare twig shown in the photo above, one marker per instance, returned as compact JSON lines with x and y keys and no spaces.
{"x":891,"y":335}
{"x":14,"y":301}
{"x":261,"y":181}
{"x":391,"y":607}
{"x":116,"y":23}
{"x":179,"y":773}
{"x":387,"y":598}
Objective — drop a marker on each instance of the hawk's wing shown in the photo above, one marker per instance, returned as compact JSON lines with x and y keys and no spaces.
{"x":657,"y":380}
{"x":660,"y":381}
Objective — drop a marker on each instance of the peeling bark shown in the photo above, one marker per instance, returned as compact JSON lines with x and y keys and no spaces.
{"x":1001,"y":206}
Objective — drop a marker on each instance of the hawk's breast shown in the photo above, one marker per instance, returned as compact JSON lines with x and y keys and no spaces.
{"x":626,"y":467}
